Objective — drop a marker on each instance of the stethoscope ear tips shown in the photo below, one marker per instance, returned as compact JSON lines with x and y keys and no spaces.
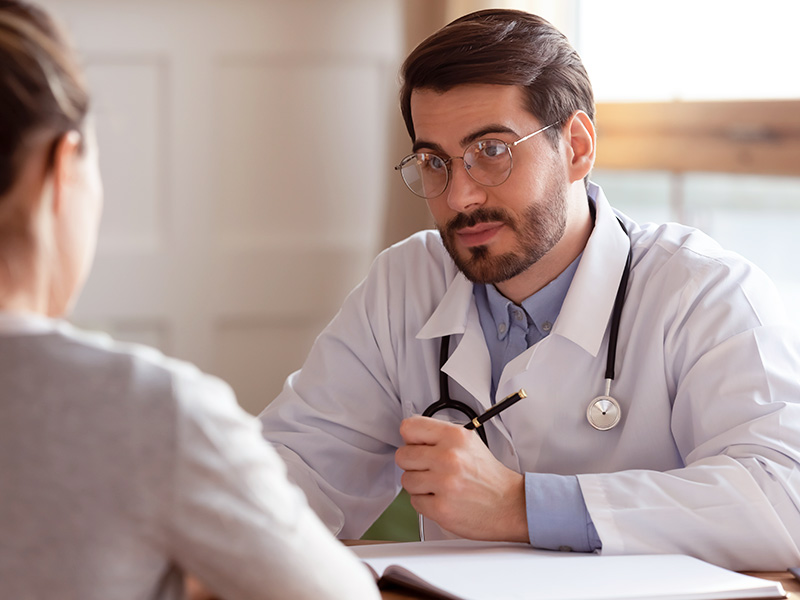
{"x":603,"y":413}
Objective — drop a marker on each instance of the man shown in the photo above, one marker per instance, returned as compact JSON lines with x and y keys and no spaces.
{"x":694,"y":442}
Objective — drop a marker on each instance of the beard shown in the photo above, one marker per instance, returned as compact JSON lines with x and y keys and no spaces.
{"x":538,"y":229}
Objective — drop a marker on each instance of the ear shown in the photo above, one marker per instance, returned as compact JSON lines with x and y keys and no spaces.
{"x":66,"y":167}
{"x":580,"y":137}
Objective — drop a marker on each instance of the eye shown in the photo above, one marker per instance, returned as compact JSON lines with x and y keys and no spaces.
{"x":492,"y":149}
{"x":431,"y":162}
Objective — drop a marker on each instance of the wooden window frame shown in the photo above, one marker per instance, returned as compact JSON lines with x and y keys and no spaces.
{"x":753,"y":137}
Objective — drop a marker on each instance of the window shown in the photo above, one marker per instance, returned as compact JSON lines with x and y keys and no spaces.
{"x":690,"y":49}
{"x":655,"y":66}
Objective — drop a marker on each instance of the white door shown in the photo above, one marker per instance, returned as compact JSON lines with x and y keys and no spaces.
{"x":243,"y":148}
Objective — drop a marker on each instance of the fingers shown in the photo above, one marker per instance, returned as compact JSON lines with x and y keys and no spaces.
{"x":418,"y":483}
{"x":435,"y":445}
{"x":414,"y":458}
{"x":428,"y":483}
{"x":432,"y":444}
{"x":431,"y":455}
{"x":434,"y":432}
{"x":425,"y":430}
{"x":436,"y":463}
{"x":427,"y":504}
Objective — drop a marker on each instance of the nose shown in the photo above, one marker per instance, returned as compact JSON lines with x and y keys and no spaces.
{"x":463,"y":192}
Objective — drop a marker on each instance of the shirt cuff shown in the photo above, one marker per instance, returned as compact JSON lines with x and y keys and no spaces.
{"x":557,"y":515}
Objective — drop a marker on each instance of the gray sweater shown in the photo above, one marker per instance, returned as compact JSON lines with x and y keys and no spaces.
{"x":120,"y":469}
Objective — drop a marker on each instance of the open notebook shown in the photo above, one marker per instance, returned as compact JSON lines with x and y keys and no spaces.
{"x":465,"y":570}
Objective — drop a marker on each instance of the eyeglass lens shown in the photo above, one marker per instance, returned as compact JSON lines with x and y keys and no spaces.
{"x":488,"y":162}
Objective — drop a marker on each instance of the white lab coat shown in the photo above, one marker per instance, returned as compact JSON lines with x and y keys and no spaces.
{"x":705,"y":458}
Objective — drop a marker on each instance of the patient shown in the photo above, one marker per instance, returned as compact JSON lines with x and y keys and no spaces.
{"x":120,"y":469}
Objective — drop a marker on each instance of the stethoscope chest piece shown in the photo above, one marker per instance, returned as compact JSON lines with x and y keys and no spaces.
{"x":603,"y":413}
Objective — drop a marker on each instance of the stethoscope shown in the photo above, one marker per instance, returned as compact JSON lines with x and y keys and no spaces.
{"x":603,"y":412}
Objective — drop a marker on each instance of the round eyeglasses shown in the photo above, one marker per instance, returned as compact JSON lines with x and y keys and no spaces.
{"x":488,"y":162}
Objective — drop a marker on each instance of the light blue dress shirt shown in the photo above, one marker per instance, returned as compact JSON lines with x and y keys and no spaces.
{"x":557,"y":514}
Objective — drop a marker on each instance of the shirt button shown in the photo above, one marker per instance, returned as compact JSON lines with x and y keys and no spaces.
{"x":518,"y":315}
{"x":565,"y":548}
{"x":546,"y":326}
{"x":501,"y":328}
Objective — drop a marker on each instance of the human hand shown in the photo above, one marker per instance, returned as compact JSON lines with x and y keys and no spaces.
{"x":454,"y":479}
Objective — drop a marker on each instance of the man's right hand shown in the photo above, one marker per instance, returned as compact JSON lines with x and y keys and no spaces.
{"x":454,"y":479}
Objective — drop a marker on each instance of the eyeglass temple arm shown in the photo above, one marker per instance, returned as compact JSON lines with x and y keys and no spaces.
{"x":530,"y":135}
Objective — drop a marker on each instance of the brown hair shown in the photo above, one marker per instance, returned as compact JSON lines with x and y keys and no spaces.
{"x":41,"y":85}
{"x":505,"y":47}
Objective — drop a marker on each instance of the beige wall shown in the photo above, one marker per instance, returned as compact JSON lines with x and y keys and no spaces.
{"x":244,"y":154}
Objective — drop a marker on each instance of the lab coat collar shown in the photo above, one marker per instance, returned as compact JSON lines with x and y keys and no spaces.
{"x":597,"y":278}
{"x":450,"y":317}
{"x":469,"y":364}
{"x":589,"y":302}
{"x":584,"y":314}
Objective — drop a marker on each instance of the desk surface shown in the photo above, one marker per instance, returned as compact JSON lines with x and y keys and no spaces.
{"x":790,"y":584}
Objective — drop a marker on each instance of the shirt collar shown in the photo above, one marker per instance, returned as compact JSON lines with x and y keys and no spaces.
{"x":498,"y":307}
{"x":544,"y":306}
{"x":587,"y":307}
{"x":541,"y":307}
{"x":25,"y":323}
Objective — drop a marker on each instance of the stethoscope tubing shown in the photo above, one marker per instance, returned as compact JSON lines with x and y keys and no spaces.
{"x":603,"y":412}
{"x":616,"y":315}
{"x":445,"y":402}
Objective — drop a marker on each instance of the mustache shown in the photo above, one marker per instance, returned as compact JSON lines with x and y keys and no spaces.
{"x":480,"y":215}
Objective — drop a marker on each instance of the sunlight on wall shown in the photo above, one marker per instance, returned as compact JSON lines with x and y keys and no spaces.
{"x":690,"y":49}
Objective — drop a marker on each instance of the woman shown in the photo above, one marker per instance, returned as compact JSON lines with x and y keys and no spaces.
{"x":119,"y":468}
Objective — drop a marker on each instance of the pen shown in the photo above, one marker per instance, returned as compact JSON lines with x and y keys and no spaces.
{"x":496,"y":409}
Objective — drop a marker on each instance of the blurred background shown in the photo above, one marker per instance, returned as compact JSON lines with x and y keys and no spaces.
{"x":247,"y":149}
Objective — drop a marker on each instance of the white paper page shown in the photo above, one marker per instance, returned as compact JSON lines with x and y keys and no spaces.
{"x":497,"y":571}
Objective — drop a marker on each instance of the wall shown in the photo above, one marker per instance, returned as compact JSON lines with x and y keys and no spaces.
{"x":243,"y":154}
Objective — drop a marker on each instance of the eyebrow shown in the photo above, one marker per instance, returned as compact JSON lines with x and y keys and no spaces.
{"x":466,"y":140}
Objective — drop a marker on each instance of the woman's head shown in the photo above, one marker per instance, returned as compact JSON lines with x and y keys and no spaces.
{"x":49,"y":184}
{"x":42,"y":89}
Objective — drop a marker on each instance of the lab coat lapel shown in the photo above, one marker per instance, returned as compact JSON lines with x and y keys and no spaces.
{"x":469,"y":365}
{"x":587,"y":308}
{"x":584,"y":316}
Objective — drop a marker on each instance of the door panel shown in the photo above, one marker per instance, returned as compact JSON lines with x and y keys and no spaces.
{"x":243,"y":151}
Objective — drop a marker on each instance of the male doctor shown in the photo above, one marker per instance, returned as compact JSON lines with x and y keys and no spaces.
{"x":694,"y":444}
